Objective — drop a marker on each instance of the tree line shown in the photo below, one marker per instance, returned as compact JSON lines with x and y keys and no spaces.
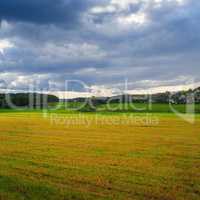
{"x":28,"y":100}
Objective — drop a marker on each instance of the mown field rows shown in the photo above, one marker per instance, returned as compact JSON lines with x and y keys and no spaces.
{"x":43,"y":158}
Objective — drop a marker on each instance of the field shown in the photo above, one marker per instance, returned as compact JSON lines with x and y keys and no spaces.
{"x":133,"y":107}
{"x":47,"y":158}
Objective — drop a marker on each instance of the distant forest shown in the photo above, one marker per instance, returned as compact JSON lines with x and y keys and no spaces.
{"x":37,"y":101}
{"x":181,"y":97}
{"x":28,"y":100}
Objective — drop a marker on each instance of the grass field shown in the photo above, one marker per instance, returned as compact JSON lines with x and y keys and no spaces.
{"x":150,"y":108}
{"x":134,"y":107}
{"x":45,"y":159}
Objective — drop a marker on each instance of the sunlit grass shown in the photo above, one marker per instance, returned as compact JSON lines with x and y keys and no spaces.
{"x":43,"y":160}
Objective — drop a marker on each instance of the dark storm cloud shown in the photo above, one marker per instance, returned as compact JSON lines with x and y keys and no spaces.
{"x":42,"y":12}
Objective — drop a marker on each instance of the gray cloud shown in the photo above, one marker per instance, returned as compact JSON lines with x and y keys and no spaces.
{"x":100,"y":43}
{"x":42,"y":12}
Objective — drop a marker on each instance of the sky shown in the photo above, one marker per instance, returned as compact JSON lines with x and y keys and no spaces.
{"x":99,"y":47}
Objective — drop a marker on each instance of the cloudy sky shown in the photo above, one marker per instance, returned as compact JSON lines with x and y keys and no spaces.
{"x":151,"y":44}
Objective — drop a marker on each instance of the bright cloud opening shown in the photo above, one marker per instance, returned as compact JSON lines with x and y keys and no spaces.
{"x":5,"y":44}
{"x":139,"y":19}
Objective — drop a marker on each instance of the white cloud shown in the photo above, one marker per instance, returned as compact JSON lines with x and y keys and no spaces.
{"x":5,"y":44}
{"x":124,"y":5}
{"x":114,"y":6}
{"x":162,"y":89}
{"x":71,"y":95}
{"x":97,"y":91}
{"x":59,"y":53}
{"x":101,"y":9}
{"x":86,"y":71}
{"x":138,"y":19}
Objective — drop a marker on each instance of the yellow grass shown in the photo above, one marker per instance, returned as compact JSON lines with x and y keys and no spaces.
{"x":43,"y":160}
